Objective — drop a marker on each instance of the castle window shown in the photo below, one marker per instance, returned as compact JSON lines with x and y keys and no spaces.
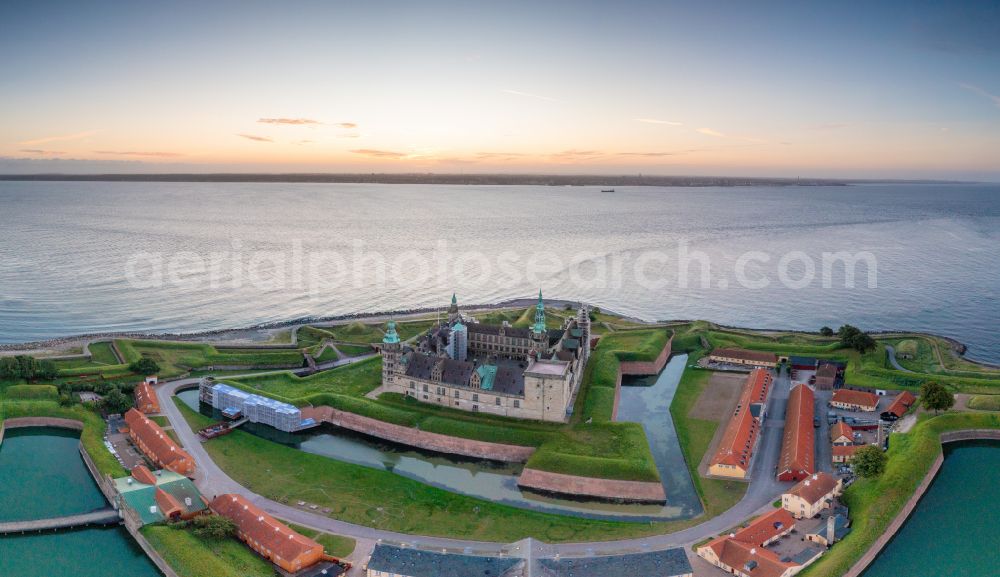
{"x":456,"y":395}
{"x":412,"y":385}
{"x":498,"y":401}
{"x":517,"y":404}
{"x":425,"y":389}
{"x":475,"y":397}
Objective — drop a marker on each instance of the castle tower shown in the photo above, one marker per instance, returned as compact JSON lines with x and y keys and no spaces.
{"x":453,"y":308}
{"x":583,"y":322}
{"x":539,"y":334}
{"x":391,"y":351}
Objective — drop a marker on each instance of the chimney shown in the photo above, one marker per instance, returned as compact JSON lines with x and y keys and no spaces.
{"x":831,"y":530}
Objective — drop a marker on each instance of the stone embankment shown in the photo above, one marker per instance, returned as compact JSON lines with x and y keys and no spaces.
{"x":419,"y":439}
{"x":607,"y":489}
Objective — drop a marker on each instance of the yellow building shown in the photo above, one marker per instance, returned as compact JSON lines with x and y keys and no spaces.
{"x":812,"y":495}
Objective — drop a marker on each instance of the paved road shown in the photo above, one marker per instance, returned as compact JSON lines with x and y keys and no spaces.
{"x":764,"y":489}
{"x":891,"y":353}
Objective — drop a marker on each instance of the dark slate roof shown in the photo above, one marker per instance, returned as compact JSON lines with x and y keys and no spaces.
{"x":669,"y":563}
{"x":793,"y":360}
{"x":509,"y":378}
{"x":416,"y":563}
{"x":495,"y":330}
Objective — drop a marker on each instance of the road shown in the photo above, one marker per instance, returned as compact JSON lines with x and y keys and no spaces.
{"x":762,"y":491}
{"x":891,"y":353}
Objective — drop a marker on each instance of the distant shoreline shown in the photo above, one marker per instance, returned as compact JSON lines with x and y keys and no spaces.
{"x":603,"y":181}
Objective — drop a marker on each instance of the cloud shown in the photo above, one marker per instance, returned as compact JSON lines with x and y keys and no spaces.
{"x":530,"y":95}
{"x":349,"y":135}
{"x":374,"y":153}
{"x":292,"y":121}
{"x":60,"y":138}
{"x":138,"y":153}
{"x":346,"y":125}
{"x":658,"y":121}
{"x":711,"y":132}
{"x":574,"y":155}
{"x":979,"y":91}
{"x":652,"y":154}
{"x":255,"y":137}
{"x":500,"y":155}
{"x":39,"y":151}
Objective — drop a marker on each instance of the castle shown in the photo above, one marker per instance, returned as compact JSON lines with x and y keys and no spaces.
{"x":527,"y":373}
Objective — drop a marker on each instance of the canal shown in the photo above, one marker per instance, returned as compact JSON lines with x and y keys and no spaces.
{"x":955,"y":528}
{"x":648,"y":402}
{"x":43,"y":475}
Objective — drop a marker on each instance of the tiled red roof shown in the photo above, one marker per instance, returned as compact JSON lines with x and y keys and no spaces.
{"x":841,"y":429}
{"x":143,"y":475}
{"x":157,"y":445}
{"x":845,"y":450}
{"x":746,"y":544}
{"x":852,"y":397}
{"x":736,"y":445}
{"x":266,"y":534}
{"x":145,"y":398}
{"x":901,"y":403}
{"x":169,"y":506}
{"x":798,"y":444}
{"x":746,"y":355}
{"x":815,"y":487}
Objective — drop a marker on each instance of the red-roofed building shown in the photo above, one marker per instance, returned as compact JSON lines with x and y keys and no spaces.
{"x":169,"y":506}
{"x":844,"y":453}
{"x":899,"y":406}
{"x":735,"y":450}
{"x":743,"y":552}
{"x":798,"y":446}
{"x":143,"y":475}
{"x":145,"y":397}
{"x":851,"y":400}
{"x":156,"y":445}
{"x":744,"y":357}
{"x":810,"y":496}
{"x":841,"y":434}
{"x":269,"y":537}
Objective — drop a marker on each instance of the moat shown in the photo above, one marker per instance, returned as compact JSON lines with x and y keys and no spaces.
{"x":648,"y":402}
{"x":951,"y":532}
{"x":43,"y":475}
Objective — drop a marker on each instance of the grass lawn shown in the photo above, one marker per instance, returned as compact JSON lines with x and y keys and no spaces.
{"x":985,"y":402}
{"x":336,"y":545}
{"x":160,"y":420}
{"x":874,"y":503}
{"x":354,"y":350}
{"x":355,"y":379}
{"x":190,"y":556}
{"x":384,"y":500}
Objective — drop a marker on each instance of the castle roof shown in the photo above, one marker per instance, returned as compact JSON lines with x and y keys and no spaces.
{"x":797,"y":447}
{"x":271,"y":534}
{"x":736,"y":445}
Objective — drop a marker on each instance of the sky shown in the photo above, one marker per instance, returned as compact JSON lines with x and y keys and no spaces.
{"x":906,"y":89}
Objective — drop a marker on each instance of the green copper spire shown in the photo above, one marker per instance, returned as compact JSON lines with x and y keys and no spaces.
{"x":539,"y":326}
{"x":391,"y":337}
{"x":454,"y":299}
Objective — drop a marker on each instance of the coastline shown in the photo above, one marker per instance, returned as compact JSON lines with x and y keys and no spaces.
{"x":260,"y":335}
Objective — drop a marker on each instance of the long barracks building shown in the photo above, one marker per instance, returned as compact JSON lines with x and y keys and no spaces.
{"x":527,"y":373}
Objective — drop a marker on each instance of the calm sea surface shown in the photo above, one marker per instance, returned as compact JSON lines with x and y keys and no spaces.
{"x":207,"y":255}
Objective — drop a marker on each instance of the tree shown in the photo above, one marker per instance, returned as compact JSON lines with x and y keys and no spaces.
{"x":47,"y":370}
{"x":869,"y":461}
{"x":116,"y":402}
{"x":854,"y":338}
{"x":213,"y":527}
{"x":8,"y":368}
{"x":935,"y":397}
{"x":26,"y":366}
{"x":826,"y":332}
{"x":144,"y":366}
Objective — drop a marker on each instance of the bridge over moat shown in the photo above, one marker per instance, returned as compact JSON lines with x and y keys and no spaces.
{"x":105,"y":516}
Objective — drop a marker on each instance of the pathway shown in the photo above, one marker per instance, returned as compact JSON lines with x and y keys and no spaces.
{"x":105,"y":516}
{"x":891,"y":353}
{"x":212,"y":481}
